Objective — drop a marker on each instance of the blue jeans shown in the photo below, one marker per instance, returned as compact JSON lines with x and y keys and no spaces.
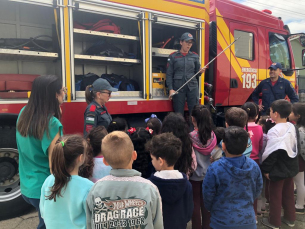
{"x":35,"y":203}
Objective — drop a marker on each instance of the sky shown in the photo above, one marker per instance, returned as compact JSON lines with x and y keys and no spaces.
{"x":292,"y":12}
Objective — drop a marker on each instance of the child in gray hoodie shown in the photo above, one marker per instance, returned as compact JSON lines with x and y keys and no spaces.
{"x":123,"y":199}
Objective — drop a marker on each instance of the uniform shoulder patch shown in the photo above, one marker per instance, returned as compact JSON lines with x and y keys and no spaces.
{"x":172,"y":53}
{"x":195,"y":53}
{"x":92,"y":108}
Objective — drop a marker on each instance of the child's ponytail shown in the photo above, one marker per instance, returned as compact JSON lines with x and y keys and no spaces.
{"x":204,"y":121}
{"x":64,"y":155}
{"x":90,"y":94}
{"x":251,"y":110}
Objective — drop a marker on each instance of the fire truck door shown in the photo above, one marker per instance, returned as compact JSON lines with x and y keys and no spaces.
{"x":244,"y":62}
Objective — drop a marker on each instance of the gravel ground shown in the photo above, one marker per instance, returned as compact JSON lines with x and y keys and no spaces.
{"x":30,"y":221}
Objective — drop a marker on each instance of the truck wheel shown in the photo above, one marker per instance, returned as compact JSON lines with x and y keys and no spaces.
{"x":11,"y":202}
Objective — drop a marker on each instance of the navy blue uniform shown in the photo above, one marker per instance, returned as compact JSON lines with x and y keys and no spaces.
{"x":271,"y":93}
{"x":181,"y":68}
{"x":96,"y":115}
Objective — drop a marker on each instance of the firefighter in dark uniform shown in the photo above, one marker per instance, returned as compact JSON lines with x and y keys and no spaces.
{"x":181,"y":66}
{"x":96,"y":113}
{"x":274,"y":88}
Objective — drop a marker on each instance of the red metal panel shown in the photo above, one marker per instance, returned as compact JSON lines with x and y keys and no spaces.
{"x":73,"y":113}
{"x":240,"y":95}
{"x":222,"y":74}
{"x":239,"y":12}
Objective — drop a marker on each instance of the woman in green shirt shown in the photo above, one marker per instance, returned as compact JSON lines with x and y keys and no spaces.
{"x":38,"y":128}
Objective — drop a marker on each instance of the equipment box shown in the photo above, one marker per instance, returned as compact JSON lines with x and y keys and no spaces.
{"x":28,"y":47}
{"x":165,"y":39}
{"x":159,"y":87}
{"x":108,"y":45}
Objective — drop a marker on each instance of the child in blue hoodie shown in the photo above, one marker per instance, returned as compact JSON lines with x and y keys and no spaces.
{"x":174,"y":187}
{"x":232,"y":184}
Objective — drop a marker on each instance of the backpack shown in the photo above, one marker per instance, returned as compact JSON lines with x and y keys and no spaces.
{"x":103,"y":48}
{"x":114,"y":79}
{"x":129,"y":85}
{"x":121,"y":82}
{"x":104,"y":25}
{"x":88,"y":80}
{"x":302,"y":142}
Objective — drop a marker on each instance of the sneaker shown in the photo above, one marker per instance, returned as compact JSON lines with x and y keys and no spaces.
{"x":289,"y":223}
{"x":267,"y":203}
{"x":259,"y":214}
{"x":265,"y":222}
{"x":264,"y":211}
{"x":299,"y":211}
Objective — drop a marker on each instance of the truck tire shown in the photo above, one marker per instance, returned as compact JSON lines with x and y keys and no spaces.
{"x":11,"y":202}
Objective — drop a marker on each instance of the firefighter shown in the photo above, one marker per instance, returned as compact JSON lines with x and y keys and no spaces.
{"x":181,"y":66}
{"x":273,"y":88}
{"x":96,"y":113}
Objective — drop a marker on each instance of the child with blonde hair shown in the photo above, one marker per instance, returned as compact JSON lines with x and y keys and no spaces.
{"x":123,"y":199}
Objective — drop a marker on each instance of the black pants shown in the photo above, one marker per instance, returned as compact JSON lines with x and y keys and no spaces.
{"x":191,"y":96}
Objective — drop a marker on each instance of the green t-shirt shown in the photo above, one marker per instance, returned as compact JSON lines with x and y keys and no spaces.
{"x":33,"y":159}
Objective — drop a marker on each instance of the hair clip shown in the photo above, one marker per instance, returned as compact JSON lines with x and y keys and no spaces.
{"x":132,"y":130}
{"x":62,"y":143}
{"x":149,"y":130}
{"x":269,"y":119}
{"x":248,"y":109}
{"x":114,"y":122}
{"x":153,"y":116}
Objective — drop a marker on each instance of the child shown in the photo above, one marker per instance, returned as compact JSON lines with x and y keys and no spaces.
{"x":139,"y":137}
{"x":154,"y":123}
{"x":204,"y":141}
{"x":217,"y":151}
{"x":176,"y":124}
{"x":64,"y":193}
{"x":266,"y":123}
{"x":175,"y":189}
{"x":298,"y":116}
{"x":117,"y":124}
{"x":255,"y":131}
{"x":280,"y":165}
{"x":238,"y":117}
{"x":232,"y":184}
{"x":95,"y":138}
{"x":123,"y":199}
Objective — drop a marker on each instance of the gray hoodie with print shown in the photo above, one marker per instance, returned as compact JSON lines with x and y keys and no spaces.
{"x":124,"y":200}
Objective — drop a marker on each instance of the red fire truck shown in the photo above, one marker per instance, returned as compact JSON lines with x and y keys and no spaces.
{"x":148,"y":31}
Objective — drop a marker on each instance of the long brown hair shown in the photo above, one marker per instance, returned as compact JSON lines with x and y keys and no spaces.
{"x":94,"y":140}
{"x":176,"y":124}
{"x":204,"y":122}
{"x":65,"y":153}
{"x":42,"y":105}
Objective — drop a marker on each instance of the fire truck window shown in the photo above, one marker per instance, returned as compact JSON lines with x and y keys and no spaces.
{"x":244,"y":45}
{"x":279,"y":51}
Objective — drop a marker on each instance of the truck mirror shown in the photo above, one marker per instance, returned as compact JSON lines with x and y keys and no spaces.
{"x":302,"y":40}
{"x":303,"y":57}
